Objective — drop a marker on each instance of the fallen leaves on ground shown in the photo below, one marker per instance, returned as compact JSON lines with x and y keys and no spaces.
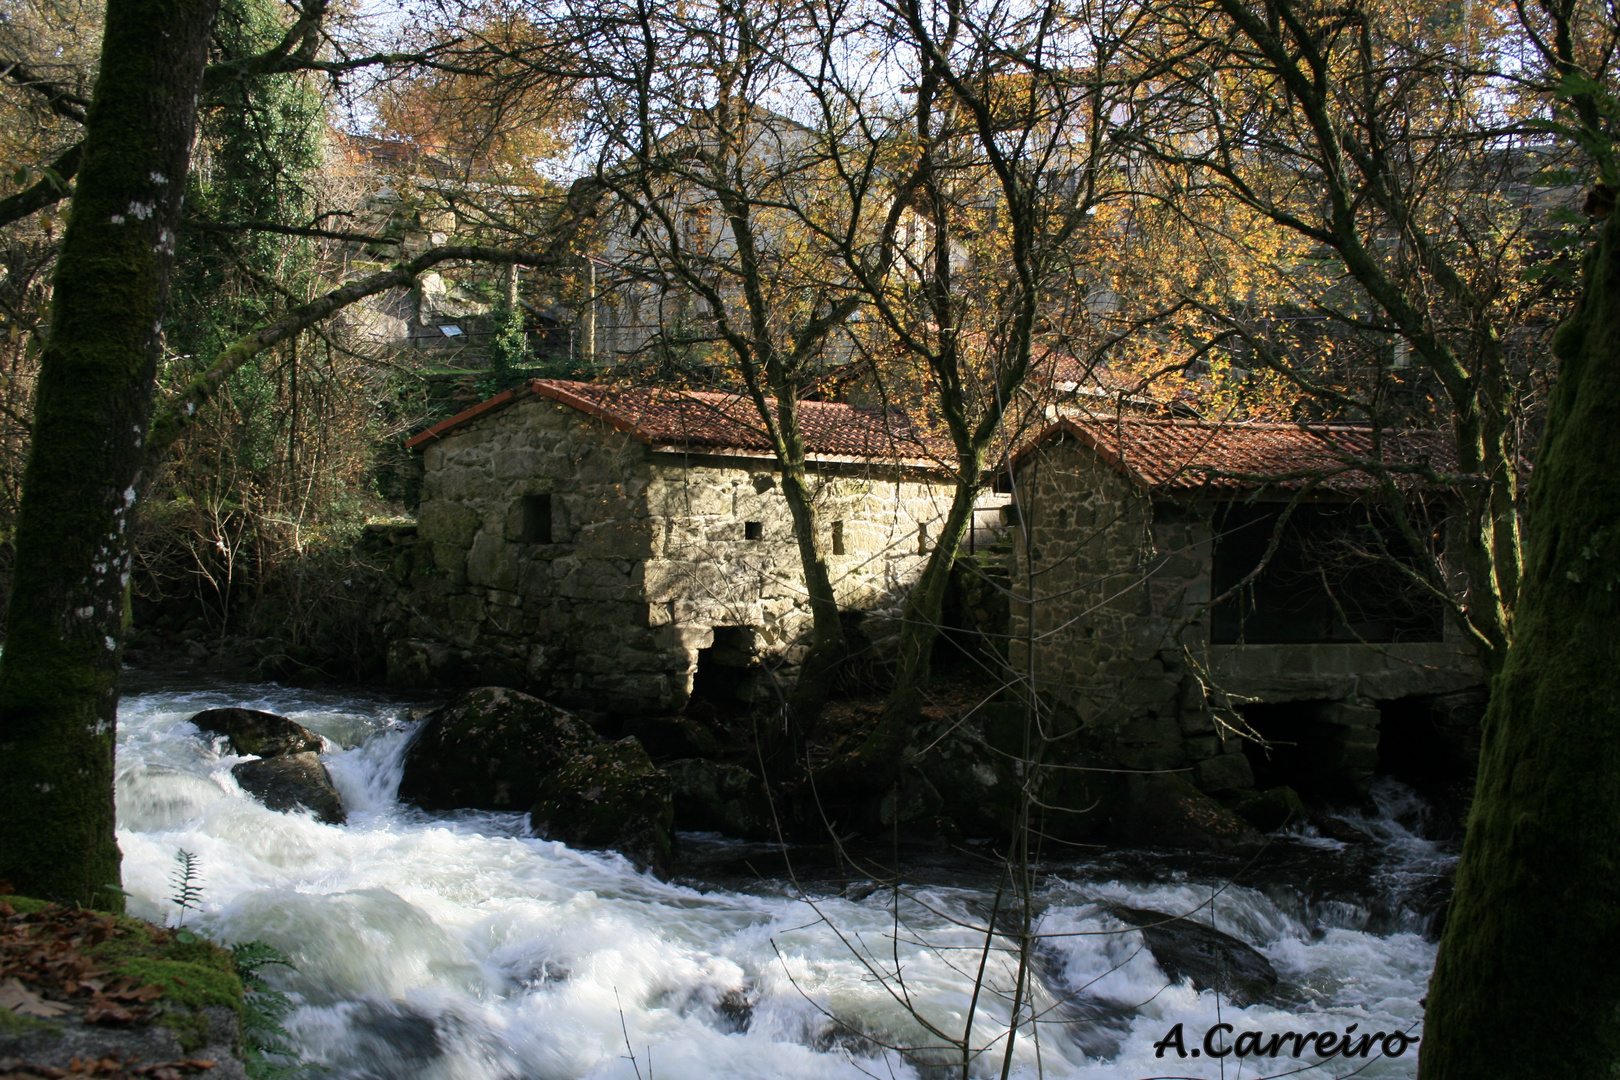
{"x":24,"y":1002}
{"x":44,"y":961}
{"x":105,"y":1068}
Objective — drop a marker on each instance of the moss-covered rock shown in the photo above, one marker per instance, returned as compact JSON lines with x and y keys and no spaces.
{"x":609,"y":795}
{"x":489,"y":749}
{"x":256,"y":733}
{"x":1164,"y":810}
{"x":1271,"y":809}
{"x":711,"y":796}
{"x":973,"y":762}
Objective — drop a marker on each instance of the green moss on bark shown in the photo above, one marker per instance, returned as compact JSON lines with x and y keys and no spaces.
{"x":64,"y":625}
{"x":1526,"y":984}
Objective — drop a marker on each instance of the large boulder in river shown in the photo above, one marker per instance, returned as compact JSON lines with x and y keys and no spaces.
{"x":489,"y":749}
{"x":258,"y":734}
{"x":713,"y":796}
{"x":1187,"y":949}
{"x":288,"y":782}
{"x":1271,"y":809}
{"x":609,"y":795}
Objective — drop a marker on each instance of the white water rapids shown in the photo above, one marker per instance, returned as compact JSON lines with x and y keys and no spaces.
{"x":460,"y":948}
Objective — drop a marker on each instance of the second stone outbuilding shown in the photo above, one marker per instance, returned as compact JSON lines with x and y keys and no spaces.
{"x":1182,"y":585}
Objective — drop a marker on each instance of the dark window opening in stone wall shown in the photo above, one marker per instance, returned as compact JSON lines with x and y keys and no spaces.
{"x":922,"y":539}
{"x":1323,"y":583}
{"x":838,"y":537}
{"x":754,"y":530}
{"x":536,"y":527}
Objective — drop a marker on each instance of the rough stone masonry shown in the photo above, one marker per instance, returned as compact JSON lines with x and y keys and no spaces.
{"x":594,"y":545}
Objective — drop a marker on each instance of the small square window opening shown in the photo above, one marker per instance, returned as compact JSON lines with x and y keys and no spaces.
{"x":754,"y":530}
{"x":536,"y":527}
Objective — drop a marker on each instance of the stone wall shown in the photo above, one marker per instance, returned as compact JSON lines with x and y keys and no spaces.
{"x":1110,"y":619}
{"x":875,"y":530}
{"x":648,"y":553}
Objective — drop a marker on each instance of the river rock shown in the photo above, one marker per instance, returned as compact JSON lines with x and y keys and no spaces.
{"x":68,"y":1041}
{"x":1187,"y":949}
{"x":255,"y":733}
{"x":609,"y":795}
{"x":1164,"y":810}
{"x":290,"y":782}
{"x":1271,"y":809}
{"x":712,"y":796}
{"x":1335,"y":828}
{"x":489,"y":749}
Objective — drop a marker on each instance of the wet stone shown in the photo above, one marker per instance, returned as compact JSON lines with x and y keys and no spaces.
{"x":1187,"y":949}
{"x":489,"y":749}
{"x":256,"y":733}
{"x":609,"y":795}
{"x":290,"y":782}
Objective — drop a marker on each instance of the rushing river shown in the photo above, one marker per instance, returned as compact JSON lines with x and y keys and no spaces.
{"x":458,"y":946}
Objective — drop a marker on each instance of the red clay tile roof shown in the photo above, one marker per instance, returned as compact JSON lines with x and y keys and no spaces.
{"x":1187,"y":455}
{"x":700,"y":420}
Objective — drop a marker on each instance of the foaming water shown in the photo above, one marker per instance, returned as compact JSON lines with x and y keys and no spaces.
{"x":459,"y":946}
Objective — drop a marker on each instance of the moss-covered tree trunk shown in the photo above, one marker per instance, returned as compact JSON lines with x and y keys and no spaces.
{"x":64,"y":626}
{"x":1527,"y":983}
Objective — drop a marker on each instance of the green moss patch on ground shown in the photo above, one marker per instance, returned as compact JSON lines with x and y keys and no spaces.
{"x":116,"y":969}
{"x":14,"y":1024}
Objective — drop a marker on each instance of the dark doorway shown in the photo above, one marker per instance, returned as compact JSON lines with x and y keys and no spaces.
{"x":1430,"y":742}
{"x":726,"y":669}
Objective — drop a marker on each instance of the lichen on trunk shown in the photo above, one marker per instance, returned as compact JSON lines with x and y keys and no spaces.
{"x":64,"y":625}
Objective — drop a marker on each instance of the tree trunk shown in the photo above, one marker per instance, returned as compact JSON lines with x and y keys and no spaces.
{"x":64,"y":626}
{"x":919,"y":627}
{"x":828,"y":646}
{"x":1526,"y":984}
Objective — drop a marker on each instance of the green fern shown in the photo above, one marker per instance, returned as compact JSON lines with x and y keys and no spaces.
{"x":267,"y":1051}
{"x":266,"y":1044}
{"x":187,"y":896}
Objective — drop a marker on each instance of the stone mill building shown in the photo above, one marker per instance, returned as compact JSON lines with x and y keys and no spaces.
{"x":619,"y":547}
{"x":1139,"y":613}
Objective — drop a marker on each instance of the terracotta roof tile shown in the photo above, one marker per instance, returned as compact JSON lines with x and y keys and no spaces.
{"x":1185,"y":455}
{"x":701,"y":420}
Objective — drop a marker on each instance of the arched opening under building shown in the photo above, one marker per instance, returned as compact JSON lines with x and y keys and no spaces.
{"x":727,"y":671}
{"x":1325,"y":750}
{"x":1330,"y":751}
